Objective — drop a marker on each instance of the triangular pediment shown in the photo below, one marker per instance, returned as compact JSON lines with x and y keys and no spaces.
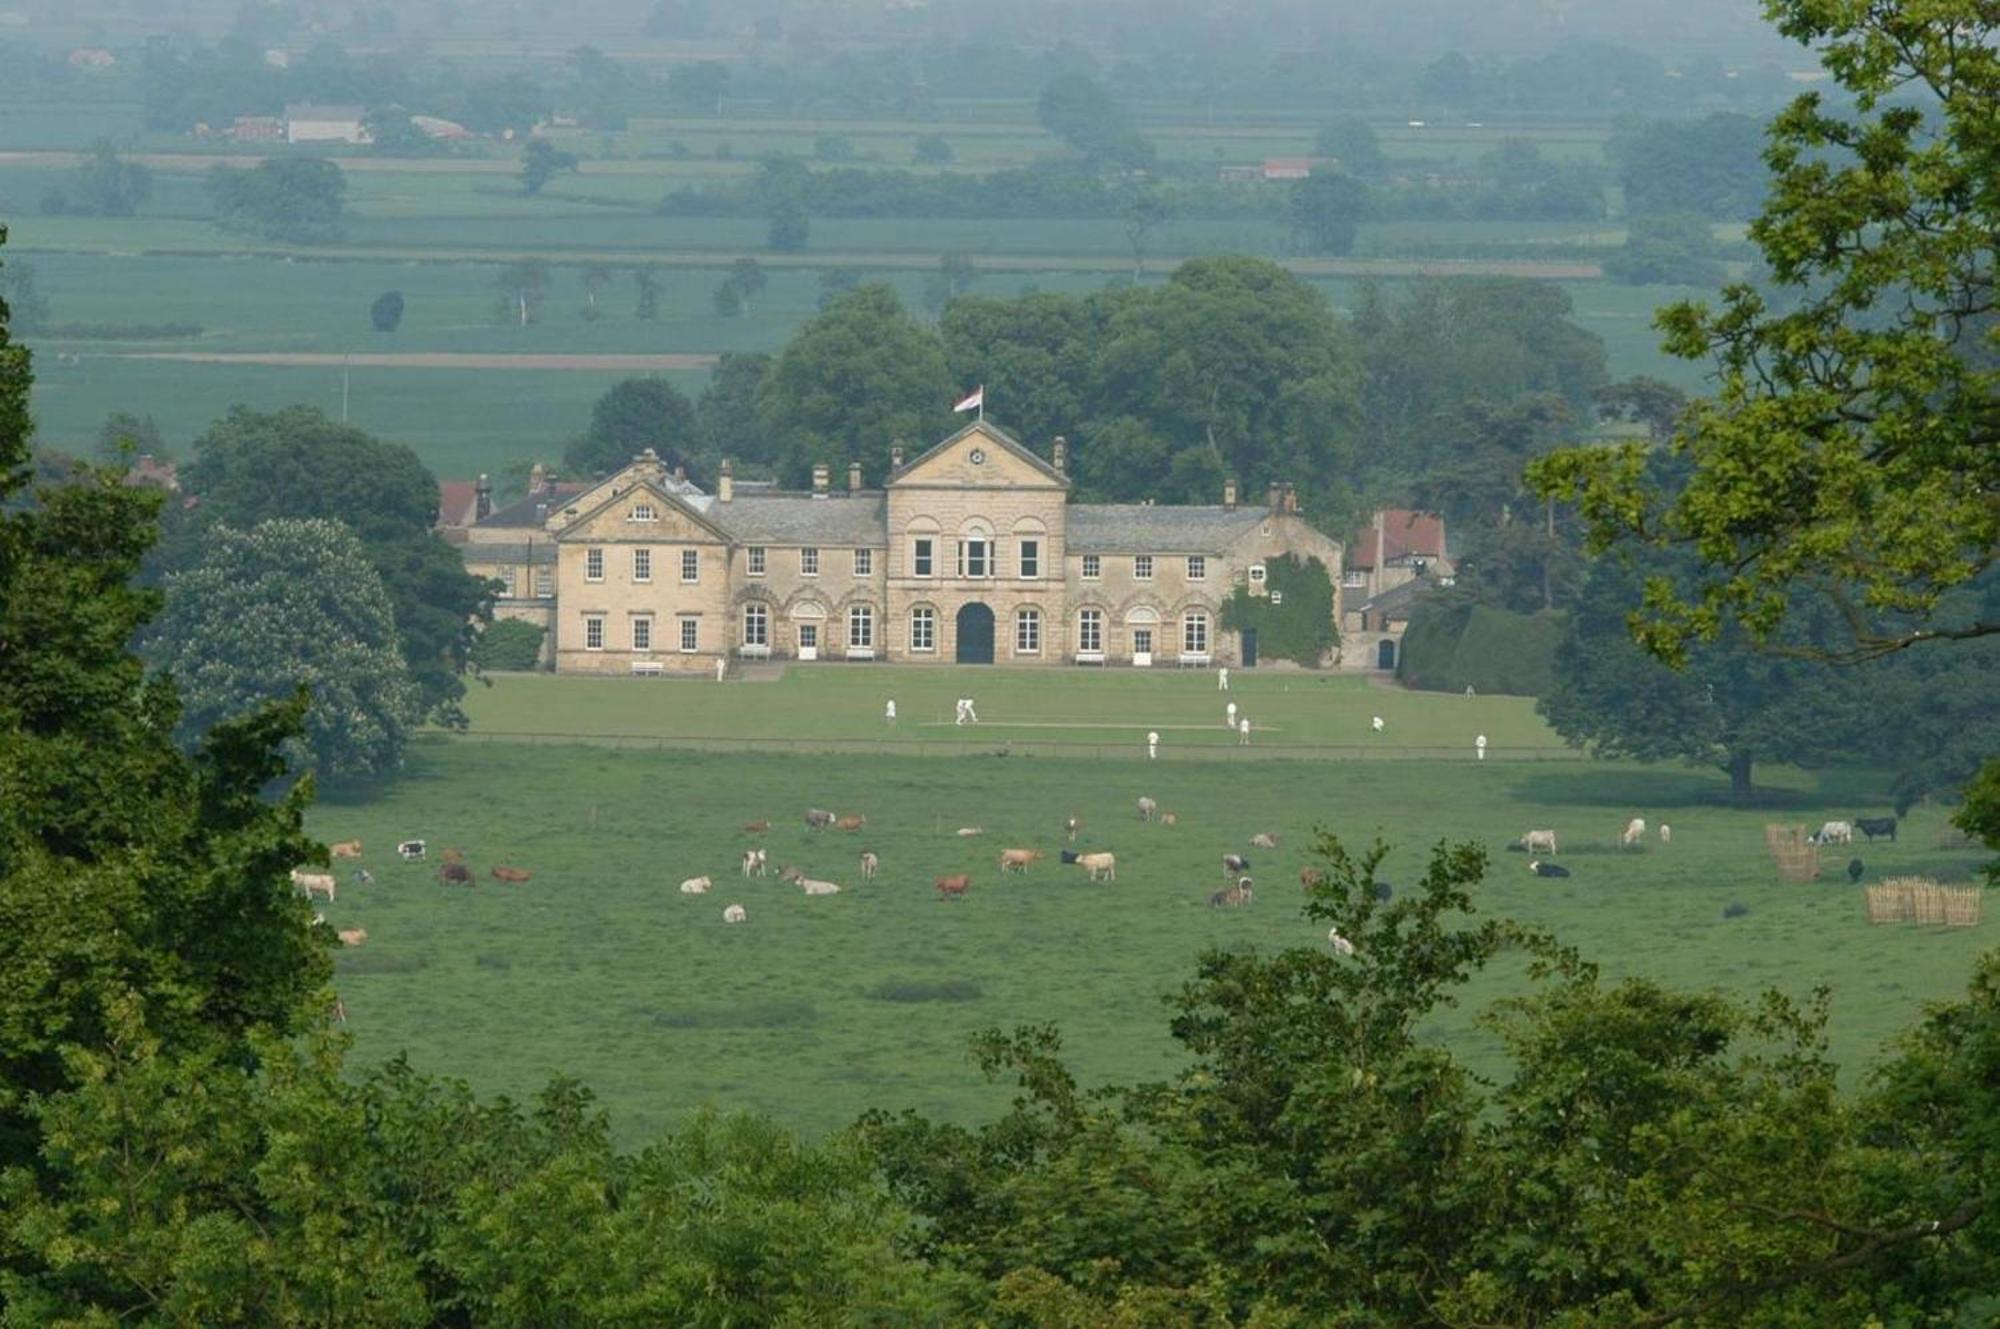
{"x":607,"y":513}
{"x":979,"y":456}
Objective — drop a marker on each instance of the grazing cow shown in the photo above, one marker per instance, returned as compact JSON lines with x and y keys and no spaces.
{"x":818,"y":819}
{"x":1070,"y":827}
{"x":453,"y":855}
{"x":361,"y":877}
{"x":734,"y":914}
{"x":696,"y":886}
{"x":1541,"y":869}
{"x":1234,"y":865}
{"x":1264,"y":840}
{"x":1340,"y":944}
{"x":352,"y":936}
{"x":1539,"y":842}
{"x":869,"y":864}
{"x":757,"y":827}
{"x":455,"y":874}
{"x":788,"y":873}
{"x":1170,"y":819}
{"x":1017,"y":860}
{"x":510,"y":874}
{"x":1239,"y":894}
{"x":345,"y":849}
{"x":755,"y":863}
{"x":1666,"y":833}
{"x":852,"y":823}
{"x":954,"y":888}
{"x":1311,"y":877}
{"x":1147,"y":807}
{"x":1855,"y":867}
{"x":410,"y":851}
{"x":812,"y":886}
{"x":1635,"y":831}
{"x":1107,"y":864}
{"x":1874,"y":826}
{"x":1835,"y":832}
{"x":967,"y":832}
{"x":314,"y":883}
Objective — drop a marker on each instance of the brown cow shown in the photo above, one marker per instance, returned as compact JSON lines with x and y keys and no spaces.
{"x":1017,"y":860}
{"x":851,"y":823}
{"x":949,"y":888}
{"x":455,"y":874}
{"x":345,"y":849}
{"x":453,"y":856}
{"x":352,"y":936}
{"x":757,"y":827}
{"x":1311,"y":877}
{"x":1170,"y":819}
{"x":510,"y":874}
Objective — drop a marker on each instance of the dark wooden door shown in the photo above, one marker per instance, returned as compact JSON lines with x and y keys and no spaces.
{"x":975,"y":634}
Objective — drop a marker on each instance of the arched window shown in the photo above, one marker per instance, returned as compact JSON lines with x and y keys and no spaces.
{"x":756,"y":625}
{"x":975,"y":550}
{"x":1028,"y":632}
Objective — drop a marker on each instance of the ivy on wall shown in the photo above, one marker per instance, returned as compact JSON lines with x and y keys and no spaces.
{"x":1295,"y":620}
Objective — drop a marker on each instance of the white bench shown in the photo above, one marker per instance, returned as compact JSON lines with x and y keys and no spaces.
{"x":1196,"y":660}
{"x":1090,"y":657}
{"x":648,"y":668}
{"x":754,"y":652}
{"x":861,"y":652}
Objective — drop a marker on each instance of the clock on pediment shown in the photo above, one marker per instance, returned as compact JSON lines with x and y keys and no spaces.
{"x":977,"y":456}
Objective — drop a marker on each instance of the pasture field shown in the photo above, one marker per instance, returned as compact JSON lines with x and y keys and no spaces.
{"x":818,"y":1008}
{"x":1108,"y":709}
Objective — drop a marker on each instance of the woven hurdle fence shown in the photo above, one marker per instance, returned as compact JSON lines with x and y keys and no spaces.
{"x":1922,"y":902}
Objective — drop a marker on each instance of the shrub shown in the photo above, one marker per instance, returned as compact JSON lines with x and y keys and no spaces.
{"x":509,"y":644}
{"x":1452,"y":645}
{"x":386,"y":314}
{"x":1735,"y":909}
{"x":916,"y":990}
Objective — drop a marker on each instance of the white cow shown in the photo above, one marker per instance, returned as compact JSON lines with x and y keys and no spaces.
{"x":1539,"y":842}
{"x":755,"y":863}
{"x":1340,"y":944}
{"x":734,"y":914}
{"x":696,"y":886}
{"x":1635,"y":831}
{"x":1836,"y":832}
{"x":870,"y":865}
{"x":1666,"y":833}
{"x":1147,"y":807}
{"x":812,"y":887}
{"x":315,"y":883}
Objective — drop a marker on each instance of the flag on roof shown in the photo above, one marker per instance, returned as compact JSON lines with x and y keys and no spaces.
{"x":975,"y":401}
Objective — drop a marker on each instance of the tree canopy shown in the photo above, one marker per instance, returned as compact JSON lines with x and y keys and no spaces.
{"x":630,"y":417}
{"x":281,"y":198}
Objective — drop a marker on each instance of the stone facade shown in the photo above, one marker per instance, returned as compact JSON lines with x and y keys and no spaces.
{"x":970,"y":553}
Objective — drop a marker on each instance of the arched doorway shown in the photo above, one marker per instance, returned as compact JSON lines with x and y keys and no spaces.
{"x":1385,"y":653}
{"x":975,"y":634}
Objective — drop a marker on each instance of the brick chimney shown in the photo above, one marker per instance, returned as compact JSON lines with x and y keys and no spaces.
{"x":1062,"y":456}
{"x":820,"y":479}
{"x":725,"y":483}
{"x":482,"y":498}
{"x":853,"y":477}
{"x":895,"y":457}
{"x":1229,"y":494}
{"x":538,"y":478}
{"x":1291,"y":497}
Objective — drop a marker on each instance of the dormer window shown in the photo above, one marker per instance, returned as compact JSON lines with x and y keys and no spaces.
{"x":1257,"y":574}
{"x":644,"y":512}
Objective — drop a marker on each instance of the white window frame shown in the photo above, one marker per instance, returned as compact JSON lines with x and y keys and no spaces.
{"x":690,"y":566}
{"x":923,"y":556}
{"x":864,"y":562}
{"x":642,"y":564}
{"x":593,"y":564}
{"x":690,"y":634}
{"x":1090,"y":632}
{"x":643,"y":512}
{"x":754,"y":563}
{"x":760,"y":615}
{"x":926,"y":641}
{"x":1197,"y":567}
{"x":642,"y":632}
{"x":1029,"y":558}
{"x":1027,"y":631}
{"x":1194,"y":624}
{"x":809,"y":562}
{"x":545,"y":583}
{"x":1353,"y":579}
{"x":1093,"y":566}
{"x":1142,"y":567}
{"x":1257,"y":574}
{"x":861,"y":627}
{"x":593,"y":632}
{"x":965,"y":561}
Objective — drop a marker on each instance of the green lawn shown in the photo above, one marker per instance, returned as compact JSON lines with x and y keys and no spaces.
{"x":819,"y":1008}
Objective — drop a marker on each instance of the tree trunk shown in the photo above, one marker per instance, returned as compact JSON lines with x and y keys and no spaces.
{"x":1739,"y":777}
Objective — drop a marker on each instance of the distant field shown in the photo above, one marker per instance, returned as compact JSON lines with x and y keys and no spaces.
{"x":818,"y":1008}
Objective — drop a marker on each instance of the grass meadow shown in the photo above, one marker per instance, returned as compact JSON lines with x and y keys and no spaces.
{"x":818,"y":1008}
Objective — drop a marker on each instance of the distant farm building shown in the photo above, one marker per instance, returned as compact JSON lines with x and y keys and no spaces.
{"x":257,"y":129}
{"x":1274,"y":170}
{"x":1386,"y":564}
{"x":91,"y":57}
{"x":306,"y":122}
{"x":449,"y":131}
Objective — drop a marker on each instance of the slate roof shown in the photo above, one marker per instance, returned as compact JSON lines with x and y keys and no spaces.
{"x":839,"y":520}
{"x":535,"y":552}
{"x":1395,"y":602}
{"x":522,"y":512}
{"x":314,"y":111}
{"x":1134,"y":528}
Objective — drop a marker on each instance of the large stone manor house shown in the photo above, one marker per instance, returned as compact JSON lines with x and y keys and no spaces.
{"x":969,"y":553}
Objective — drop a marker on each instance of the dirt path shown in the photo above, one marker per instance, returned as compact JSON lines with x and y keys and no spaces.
{"x":433,"y":360}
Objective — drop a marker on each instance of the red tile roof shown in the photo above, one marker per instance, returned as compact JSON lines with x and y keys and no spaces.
{"x":458,"y":502}
{"x":1405,"y":534}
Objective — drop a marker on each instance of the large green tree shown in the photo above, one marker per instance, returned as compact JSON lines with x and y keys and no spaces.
{"x":255,"y":466}
{"x":298,"y":199}
{"x":859,"y":376}
{"x":630,"y":417}
{"x":291,"y":604}
{"x":726,"y":415}
{"x":1076,"y":108}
